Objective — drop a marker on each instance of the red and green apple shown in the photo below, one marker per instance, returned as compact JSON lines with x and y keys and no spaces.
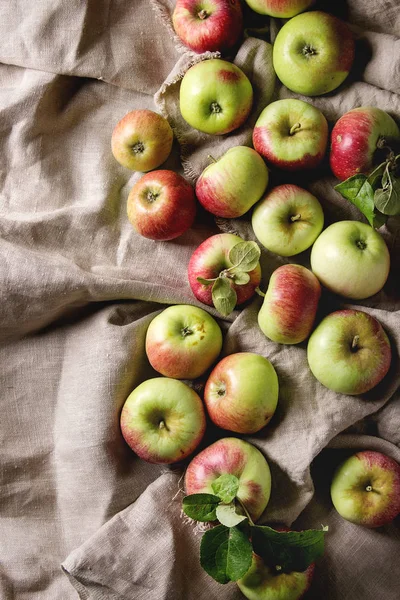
{"x":282,"y":9}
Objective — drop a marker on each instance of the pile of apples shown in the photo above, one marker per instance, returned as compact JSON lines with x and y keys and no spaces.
{"x":164,"y":419}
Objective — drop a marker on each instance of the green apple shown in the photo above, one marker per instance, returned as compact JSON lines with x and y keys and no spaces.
{"x":366,"y":489}
{"x":183,"y":341}
{"x":313,"y":53}
{"x":215,"y":96}
{"x":163,"y":420}
{"x":231,"y":185}
{"x":287,"y":220}
{"x":351,"y":259}
{"x":241,"y":392}
{"x":349,"y":352}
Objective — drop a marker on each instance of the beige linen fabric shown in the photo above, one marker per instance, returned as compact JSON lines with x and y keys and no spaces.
{"x":79,"y":288}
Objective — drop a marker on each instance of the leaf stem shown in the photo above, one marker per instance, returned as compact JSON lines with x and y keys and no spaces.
{"x":246,"y":512}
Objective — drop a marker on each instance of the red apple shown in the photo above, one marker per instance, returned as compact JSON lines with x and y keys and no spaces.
{"x":212,"y":258}
{"x":290,"y":304}
{"x":142,"y":140}
{"x":208,"y":25}
{"x":161,"y":205}
{"x":356,"y":137}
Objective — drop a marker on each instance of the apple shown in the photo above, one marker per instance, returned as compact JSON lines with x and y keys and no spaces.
{"x":163,"y":420}
{"x":208,"y":25}
{"x":290,"y":304}
{"x":183,"y":341}
{"x":291,"y":134}
{"x":313,"y":53}
{"x":241,"y":392}
{"x":356,"y":137}
{"x":349,"y":352}
{"x":212,"y":258}
{"x":351,"y":259}
{"x":161,"y":205}
{"x":287,"y":220}
{"x":366,"y":489}
{"x":215,"y":96}
{"x":142,"y":140}
{"x":234,"y":457}
{"x":231,"y":185}
{"x":262,"y":582}
{"x":282,"y":9}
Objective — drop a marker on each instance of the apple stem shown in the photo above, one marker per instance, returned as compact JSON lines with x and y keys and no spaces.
{"x":369,"y":488}
{"x":295,"y":217}
{"x":295,"y":128}
{"x":202,"y":14}
{"x":278,"y":568}
{"x":210,"y":157}
{"x":259,"y":292}
{"x":354,"y":344}
{"x":162,"y":425}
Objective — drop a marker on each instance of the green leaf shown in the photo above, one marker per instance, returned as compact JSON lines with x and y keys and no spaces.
{"x":387,"y":199}
{"x":227,"y":515}
{"x":245,"y":255}
{"x":225,"y":553}
{"x":223,"y":296}
{"x":226,"y":487}
{"x":240,"y":277}
{"x":201,"y":507}
{"x":291,"y":550}
{"x":205,"y":281}
{"x":359,"y":192}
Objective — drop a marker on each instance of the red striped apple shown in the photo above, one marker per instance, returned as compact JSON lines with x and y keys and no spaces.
{"x":287,"y":220}
{"x":366,"y":489}
{"x":208,"y":25}
{"x":291,"y":134}
{"x":241,"y":392}
{"x":142,"y":140}
{"x":282,"y":9}
{"x":163,"y":420}
{"x":161,"y":205}
{"x":356,"y":137}
{"x":234,"y":457}
{"x":290,"y":304}
{"x":231,"y":185}
{"x":183,"y":341}
{"x":349,"y":352}
{"x":215,"y":96}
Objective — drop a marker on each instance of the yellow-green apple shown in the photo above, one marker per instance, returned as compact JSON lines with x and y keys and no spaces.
{"x":208,"y":25}
{"x":183,"y":341}
{"x":210,"y":260}
{"x":232,"y":456}
{"x":290,"y":304}
{"x":163,"y":420}
{"x":142,"y":140}
{"x":241,"y":392}
{"x":215,"y":96}
{"x":291,"y":134}
{"x":282,"y":9}
{"x":356,"y":138}
{"x":366,"y":489}
{"x":231,"y":185}
{"x":349,"y":352}
{"x":313,"y":53}
{"x":161,"y":205}
{"x":287,"y":220}
{"x":351,"y":259}
{"x":262,"y":582}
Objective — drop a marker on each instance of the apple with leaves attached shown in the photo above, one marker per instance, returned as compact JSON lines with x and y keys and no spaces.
{"x":161,"y":205}
{"x":281,"y":9}
{"x":349,"y":352}
{"x":142,"y":140}
{"x":225,"y":271}
{"x":287,"y":220}
{"x":291,"y":134}
{"x":208,"y":25}
{"x":290,"y":304}
{"x":163,"y":420}
{"x":230,"y":186}
{"x":365,"y":489}
{"x":183,"y":341}
{"x":241,"y":393}
{"x":313,"y":53}
{"x":215,"y":96}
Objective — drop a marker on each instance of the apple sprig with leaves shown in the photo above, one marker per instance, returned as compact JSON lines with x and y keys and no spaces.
{"x":226,"y":550}
{"x":243,"y":257}
{"x":376,"y":195}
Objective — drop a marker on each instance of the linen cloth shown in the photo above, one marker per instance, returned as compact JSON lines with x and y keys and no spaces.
{"x":79,"y":288}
